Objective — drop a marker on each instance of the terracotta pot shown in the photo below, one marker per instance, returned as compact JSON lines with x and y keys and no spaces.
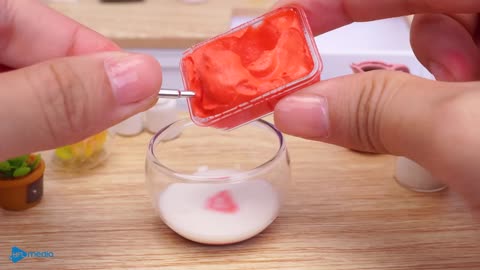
{"x":24,"y":192}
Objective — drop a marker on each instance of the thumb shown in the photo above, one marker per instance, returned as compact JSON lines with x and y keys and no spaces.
{"x":65,"y":100}
{"x":431,"y":122}
{"x":377,"y":111}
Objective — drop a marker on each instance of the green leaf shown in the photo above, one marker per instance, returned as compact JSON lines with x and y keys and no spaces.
{"x":21,"y":171}
{"x":5,"y":166}
{"x":18,"y":161}
{"x":35,"y":162}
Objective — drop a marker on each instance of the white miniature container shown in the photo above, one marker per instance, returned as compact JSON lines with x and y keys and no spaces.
{"x":131,"y":126}
{"x":414,"y":177}
{"x":161,"y":115}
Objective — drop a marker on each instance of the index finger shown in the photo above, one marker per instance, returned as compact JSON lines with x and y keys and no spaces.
{"x":32,"y":32}
{"x":326,"y":15}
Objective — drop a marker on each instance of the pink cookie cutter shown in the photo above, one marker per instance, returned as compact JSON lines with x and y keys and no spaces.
{"x":377,"y":65}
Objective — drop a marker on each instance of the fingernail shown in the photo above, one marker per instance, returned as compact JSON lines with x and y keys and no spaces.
{"x":440,"y":72}
{"x":123,"y":72}
{"x":303,"y":116}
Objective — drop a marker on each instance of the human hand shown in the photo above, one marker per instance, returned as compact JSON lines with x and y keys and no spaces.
{"x":61,"y":82}
{"x":434,"y":123}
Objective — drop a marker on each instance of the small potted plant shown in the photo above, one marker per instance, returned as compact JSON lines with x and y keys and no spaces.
{"x":21,"y":182}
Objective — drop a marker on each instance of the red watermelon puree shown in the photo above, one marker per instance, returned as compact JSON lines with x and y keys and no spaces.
{"x":241,"y":75}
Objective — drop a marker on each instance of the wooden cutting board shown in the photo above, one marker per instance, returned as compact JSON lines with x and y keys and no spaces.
{"x":159,"y":23}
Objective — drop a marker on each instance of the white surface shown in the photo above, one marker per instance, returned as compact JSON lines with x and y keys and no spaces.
{"x":183,"y":208}
{"x":384,"y":40}
{"x":383,"y":36}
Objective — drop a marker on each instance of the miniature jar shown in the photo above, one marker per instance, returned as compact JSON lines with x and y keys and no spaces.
{"x":414,"y":177}
{"x":161,"y":115}
{"x":131,"y":126}
{"x":84,"y":155}
{"x":217,"y":187}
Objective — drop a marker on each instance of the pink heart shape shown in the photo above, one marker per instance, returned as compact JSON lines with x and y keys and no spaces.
{"x":222,"y":202}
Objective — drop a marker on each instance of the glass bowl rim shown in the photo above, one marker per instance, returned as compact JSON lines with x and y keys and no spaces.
{"x":233,"y":177}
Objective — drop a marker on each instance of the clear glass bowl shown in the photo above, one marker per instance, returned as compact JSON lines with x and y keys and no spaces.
{"x":83,"y":155}
{"x":218,"y":187}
